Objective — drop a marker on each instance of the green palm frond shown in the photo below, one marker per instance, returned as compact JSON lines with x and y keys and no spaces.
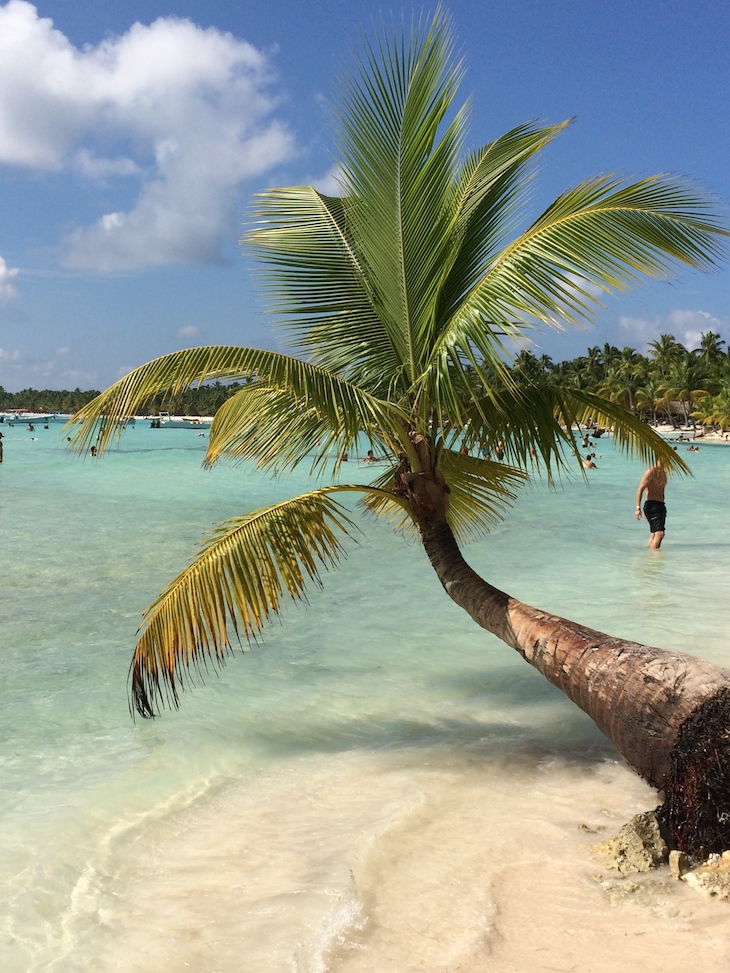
{"x":317,"y":417}
{"x":340,"y":405}
{"x":481,"y":492}
{"x":234,"y":586}
{"x":399,"y":174}
{"x":493,"y":185}
{"x":535,"y":423}
{"x":631,"y":434}
{"x":314,"y":280}
{"x":602,"y":235}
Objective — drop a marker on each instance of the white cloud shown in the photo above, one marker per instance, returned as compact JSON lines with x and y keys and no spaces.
{"x":184,"y":110}
{"x":188,"y":331}
{"x":687,"y":326}
{"x":17,"y":369}
{"x":331,"y":184}
{"x":89,"y":164}
{"x":7,"y":281}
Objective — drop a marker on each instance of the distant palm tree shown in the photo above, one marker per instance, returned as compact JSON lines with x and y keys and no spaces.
{"x":399,"y":294}
{"x":710,"y":350}
{"x":686,"y":384}
{"x":648,"y":397}
{"x":665,"y":351}
{"x":609,"y":354}
{"x":714,"y":410}
{"x":592,"y":362}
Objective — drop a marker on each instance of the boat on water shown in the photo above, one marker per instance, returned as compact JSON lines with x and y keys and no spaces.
{"x":165,"y":421}
{"x":32,"y":418}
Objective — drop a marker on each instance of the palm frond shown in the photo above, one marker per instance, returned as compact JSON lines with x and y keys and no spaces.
{"x":492,"y":188}
{"x":631,"y":434}
{"x":103,"y":419}
{"x":602,"y":235}
{"x":481,"y":492}
{"x":233,"y":588}
{"x":339,"y":406}
{"x":398,"y":177}
{"x":309,"y":415}
{"x":535,"y":423}
{"x":314,"y":280}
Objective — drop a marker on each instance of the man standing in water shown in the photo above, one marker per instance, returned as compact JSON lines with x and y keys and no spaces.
{"x":653,"y":482}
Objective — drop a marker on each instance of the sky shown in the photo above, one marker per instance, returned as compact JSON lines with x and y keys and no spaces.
{"x":133,"y":135}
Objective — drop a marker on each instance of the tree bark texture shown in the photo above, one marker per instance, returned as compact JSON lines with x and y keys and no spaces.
{"x":666,"y":712}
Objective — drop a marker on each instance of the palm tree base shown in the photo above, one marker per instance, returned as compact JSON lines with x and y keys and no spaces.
{"x":667,"y":713}
{"x":695,"y":815}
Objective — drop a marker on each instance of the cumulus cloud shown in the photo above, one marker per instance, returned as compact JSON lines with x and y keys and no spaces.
{"x":185,"y":111}
{"x":687,"y":326}
{"x":7,"y":281}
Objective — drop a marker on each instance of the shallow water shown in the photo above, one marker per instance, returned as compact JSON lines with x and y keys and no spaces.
{"x":379,"y":785}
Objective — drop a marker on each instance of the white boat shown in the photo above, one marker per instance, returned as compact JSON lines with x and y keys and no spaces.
{"x":165,"y":421}
{"x":27,"y":418}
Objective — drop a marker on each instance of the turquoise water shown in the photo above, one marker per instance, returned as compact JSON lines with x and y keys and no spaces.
{"x":255,"y":829}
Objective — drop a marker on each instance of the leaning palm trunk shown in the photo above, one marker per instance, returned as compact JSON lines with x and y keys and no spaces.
{"x":667,"y":713}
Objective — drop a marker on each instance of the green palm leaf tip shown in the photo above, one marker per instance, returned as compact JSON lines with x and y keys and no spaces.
{"x":237,"y":582}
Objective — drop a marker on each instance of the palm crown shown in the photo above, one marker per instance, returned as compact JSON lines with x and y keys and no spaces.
{"x":400,"y":296}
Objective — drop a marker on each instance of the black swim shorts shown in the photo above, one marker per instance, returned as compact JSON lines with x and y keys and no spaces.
{"x":656,"y":513}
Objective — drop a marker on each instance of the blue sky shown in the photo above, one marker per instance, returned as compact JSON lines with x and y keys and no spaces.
{"x":133,"y":134}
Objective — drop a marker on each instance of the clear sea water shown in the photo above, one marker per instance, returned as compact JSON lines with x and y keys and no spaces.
{"x":377,"y":786}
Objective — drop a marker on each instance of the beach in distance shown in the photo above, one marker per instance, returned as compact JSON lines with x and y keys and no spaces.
{"x":378,"y":785}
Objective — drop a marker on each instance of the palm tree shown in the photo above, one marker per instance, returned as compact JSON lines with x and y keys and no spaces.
{"x":665,"y":351}
{"x":625,"y":376}
{"x":686,"y":383}
{"x":710,"y":350}
{"x":648,"y":397}
{"x":399,"y":295}
{"x":714,"y":410}
{"x":608,"y":355}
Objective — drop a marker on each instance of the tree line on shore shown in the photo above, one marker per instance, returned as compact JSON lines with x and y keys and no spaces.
{"x":204,"y":401}
{"x":669,"y":382}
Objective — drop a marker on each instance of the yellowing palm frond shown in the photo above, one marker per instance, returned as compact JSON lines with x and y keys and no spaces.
{"x":340,"y":406}
{"x":102,"y":419}
{"x":232,"y":588}
{"x":301,"y":411}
